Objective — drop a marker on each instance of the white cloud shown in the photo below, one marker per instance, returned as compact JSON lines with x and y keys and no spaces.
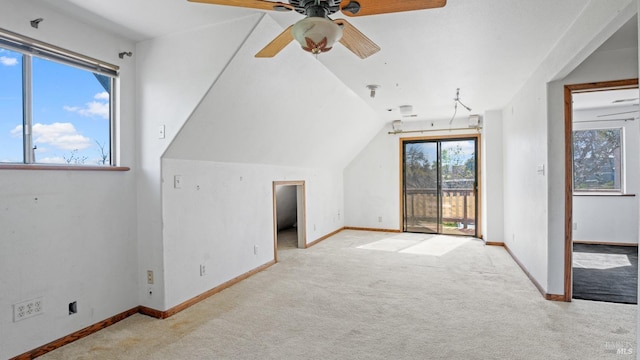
{"x":102,"y":96}
{"x":17,"y":131}
{"x":71,"y":108}
{"x":51,"y":160}
{"x":8,"y":61}
{"x":93,"y":108}
{"x":60,"y":135}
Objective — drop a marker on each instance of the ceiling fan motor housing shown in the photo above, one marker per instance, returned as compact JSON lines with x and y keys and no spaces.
{"x":322,"y":8}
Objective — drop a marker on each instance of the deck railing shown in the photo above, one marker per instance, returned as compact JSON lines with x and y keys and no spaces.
{"x":458,"y":206}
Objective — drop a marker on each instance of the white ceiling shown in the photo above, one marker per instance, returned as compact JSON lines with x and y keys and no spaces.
{"x":486,"y":48}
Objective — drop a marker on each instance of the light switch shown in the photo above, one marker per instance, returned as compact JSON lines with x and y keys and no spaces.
{"x":161,"y":132}
{"x":541,"y":169}
{"x":177,"y":181}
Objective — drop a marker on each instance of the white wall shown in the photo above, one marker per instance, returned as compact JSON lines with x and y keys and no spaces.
{"x":534,"y":136}
{"x":257,"y":111}
{"x":174,"y":74}
{"x":223,"y":210}
{"x":372,"y":179}
{"x":611,"y":218}
{"x":269,"y":111}
{"x":67,"y":235}
{"x":492,"y":177}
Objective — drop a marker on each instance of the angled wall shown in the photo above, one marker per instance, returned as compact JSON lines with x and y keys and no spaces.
{"x":174,"y":73}
{"x":262,"y":120}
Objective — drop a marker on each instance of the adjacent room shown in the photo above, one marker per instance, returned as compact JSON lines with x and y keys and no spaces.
{"x":391,"y":178}
{"x":605,"y":231}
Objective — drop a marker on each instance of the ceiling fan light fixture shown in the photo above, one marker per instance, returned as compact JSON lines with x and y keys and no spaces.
{"x":316,"y":34}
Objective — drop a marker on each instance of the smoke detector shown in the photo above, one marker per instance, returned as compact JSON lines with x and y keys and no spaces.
{"x":406,"y":110}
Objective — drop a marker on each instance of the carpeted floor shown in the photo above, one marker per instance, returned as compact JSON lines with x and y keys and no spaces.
{"x":371,"y":295}
{"x":605,"y":273}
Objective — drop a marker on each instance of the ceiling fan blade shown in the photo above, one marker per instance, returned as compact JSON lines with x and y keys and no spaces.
{"x":254,"y":4}
{"x":356,"y":41}
{"x":277,"y":44}
{"x":373,"y":7}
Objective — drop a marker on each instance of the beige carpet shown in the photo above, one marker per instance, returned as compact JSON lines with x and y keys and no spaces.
{"x":348,"y":299}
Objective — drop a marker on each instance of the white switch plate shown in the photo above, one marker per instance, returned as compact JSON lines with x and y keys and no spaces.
{"x":161,"y":132}
{"x":177,"y":181}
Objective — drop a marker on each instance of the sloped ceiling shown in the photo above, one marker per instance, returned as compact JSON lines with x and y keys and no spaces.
{"x":486,"y":48}
{"x":262,"y":112}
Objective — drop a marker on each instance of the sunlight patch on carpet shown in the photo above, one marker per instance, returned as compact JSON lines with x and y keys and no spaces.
{"x":389,"y":244}
{"x":412,"y":236}
{"x":599,"y":261}
{"x":436,"y":246}
{"x":419,"y":244}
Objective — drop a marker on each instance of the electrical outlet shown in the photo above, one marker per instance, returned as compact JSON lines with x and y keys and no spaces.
{"x":27,"y":309}
{"x":255,"y":249}
{"x":575,"y":226}
{"x":149,"y":276}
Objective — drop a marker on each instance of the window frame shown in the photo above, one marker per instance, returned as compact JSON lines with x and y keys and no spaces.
{"x":622,"y":172}
{"x":30,"y":48}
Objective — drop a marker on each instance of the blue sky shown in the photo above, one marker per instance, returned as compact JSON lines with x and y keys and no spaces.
{"x":70,"y":112}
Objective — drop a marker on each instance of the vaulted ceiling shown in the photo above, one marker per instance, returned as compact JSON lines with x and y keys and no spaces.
{"x":486,"y":48}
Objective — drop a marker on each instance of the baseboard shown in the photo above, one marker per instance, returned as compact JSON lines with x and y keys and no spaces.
{"x":184,"y":305}
{"x":602,"y":243}
{"x":138,"y":309}
{"x":76,"y":335}
{"x":316,"y":241}
{"x":150,"y":312}
{"x":371,"y":229}
{"x":494,"y":243}
{"x":552,"y":297}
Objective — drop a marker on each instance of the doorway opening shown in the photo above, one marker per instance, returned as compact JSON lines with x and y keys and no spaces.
{"x":440,"y":185}
{"x":288,"y":216}
{"x":601,"y":121}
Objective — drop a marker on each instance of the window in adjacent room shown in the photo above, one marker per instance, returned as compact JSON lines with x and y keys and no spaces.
{"x":598,"y":160}
{"x":55,"y":107}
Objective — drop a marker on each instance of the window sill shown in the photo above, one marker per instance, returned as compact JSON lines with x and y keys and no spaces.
{"x":603,"y":194}
{"x":62,"y":167}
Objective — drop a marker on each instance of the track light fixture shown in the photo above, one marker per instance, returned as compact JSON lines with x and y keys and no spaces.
{"x":457,"y":101}
{"x":122,"y":54}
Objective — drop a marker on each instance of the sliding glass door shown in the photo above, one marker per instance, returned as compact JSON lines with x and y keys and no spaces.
{"x":440,"y":186}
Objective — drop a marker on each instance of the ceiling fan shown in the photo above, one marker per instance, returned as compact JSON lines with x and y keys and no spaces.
{"x":317,"y":33}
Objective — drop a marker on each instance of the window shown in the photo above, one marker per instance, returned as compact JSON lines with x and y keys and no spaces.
{"x":597,"y":160}
{"x":55,"y":106}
